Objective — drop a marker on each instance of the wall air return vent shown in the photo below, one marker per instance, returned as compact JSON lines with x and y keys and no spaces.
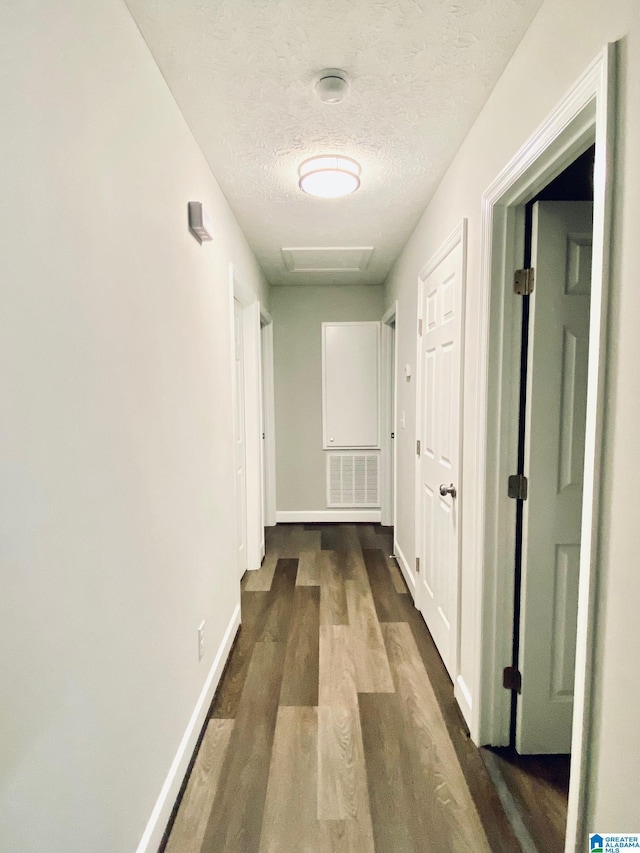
{"x":353,"y":479}
{"x":329,"y":259}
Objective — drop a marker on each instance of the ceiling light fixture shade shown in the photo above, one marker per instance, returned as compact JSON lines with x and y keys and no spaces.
{"x":329,"y":176}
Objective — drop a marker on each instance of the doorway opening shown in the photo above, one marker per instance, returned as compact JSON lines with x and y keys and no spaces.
{"x":533,"y":771}
{"x":583,"y":118}
{"x":558,"y":234}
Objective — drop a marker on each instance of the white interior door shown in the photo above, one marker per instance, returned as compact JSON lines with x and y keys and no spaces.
{"x":254,"y":428}
{"x":268,"y":420}
{"x":392,"y":448}
{"x":554,"y":461}
{"x":388,"y":419}
{"x":439,"y":457}
{"x":240,"y":453}
{"x":264,"y":497}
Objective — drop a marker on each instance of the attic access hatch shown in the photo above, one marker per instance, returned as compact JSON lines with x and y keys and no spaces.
{"x":350,"y":385}
{"x":327,"y":259}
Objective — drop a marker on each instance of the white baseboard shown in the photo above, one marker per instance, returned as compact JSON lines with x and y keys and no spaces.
{"x":404,"y":566}
{"x":157,"y":824}
{"x":326,"y":516}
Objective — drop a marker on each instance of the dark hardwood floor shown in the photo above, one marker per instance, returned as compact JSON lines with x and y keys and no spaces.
{"x":534,"y":791}
{"x":334,"y":727}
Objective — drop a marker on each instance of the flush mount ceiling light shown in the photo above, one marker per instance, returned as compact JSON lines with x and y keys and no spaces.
{"x":329,"y":176}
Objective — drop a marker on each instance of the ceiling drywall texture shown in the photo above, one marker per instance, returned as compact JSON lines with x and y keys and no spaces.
{"x":242,"y":72}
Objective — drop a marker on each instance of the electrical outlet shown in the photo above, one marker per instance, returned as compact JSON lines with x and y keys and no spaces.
{"x":201,"y":640}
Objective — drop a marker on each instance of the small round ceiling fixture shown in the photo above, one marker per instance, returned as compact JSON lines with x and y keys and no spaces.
{"x":329,"y":176}
{"x":332,"y":86}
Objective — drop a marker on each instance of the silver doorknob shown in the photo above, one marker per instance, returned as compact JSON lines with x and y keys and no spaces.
{"x":448,"y":490}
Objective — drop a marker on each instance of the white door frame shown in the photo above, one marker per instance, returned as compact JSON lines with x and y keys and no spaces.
{"x":585,"y":115}
{"x":252,"y":415}
{"x":269,"y":419}
{"x":389,"y":359}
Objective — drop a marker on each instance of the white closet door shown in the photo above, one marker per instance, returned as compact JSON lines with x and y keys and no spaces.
{"x":240,"y":453}
{"x":438,"y":523}
{"x":554,"y":462}
{"x":350,"y":384}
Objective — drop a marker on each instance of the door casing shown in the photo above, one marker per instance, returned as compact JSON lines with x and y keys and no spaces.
{"x":583,"y":117}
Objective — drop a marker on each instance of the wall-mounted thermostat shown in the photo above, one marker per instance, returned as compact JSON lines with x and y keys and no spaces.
{"x":200,"y":223}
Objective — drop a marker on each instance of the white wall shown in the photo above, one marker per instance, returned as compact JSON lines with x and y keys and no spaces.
{"x":116,"y":447}
{"x":298,"y":314}
{"x":562,"y":41}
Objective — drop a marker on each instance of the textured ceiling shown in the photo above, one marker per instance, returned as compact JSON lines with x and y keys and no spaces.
{"x":243,"y":71}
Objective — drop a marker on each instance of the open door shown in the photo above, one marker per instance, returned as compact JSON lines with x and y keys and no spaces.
{"x":558,"y":352}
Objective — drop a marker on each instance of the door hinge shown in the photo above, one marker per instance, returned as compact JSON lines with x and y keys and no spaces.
{"x":523,"y":282}
{"x":512,"y":679}
{"x":393,"y":435}
{"x":417,"y":448}
{"x":518,"y":487}
{"x":417,"y":565}
{"x":420,"y":327}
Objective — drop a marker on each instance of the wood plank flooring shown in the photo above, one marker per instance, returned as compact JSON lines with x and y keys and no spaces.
{"x":334,"y":726}
{"x":534,"y":790}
